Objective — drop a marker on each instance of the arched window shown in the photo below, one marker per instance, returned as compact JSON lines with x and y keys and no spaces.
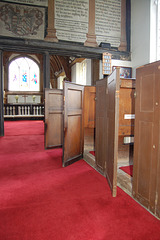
{"x":24,"y":75}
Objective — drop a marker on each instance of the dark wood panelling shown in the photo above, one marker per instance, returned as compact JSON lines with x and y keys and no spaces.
{"x":146,"y":179}
{"x":107,"y":121}
{"x":95,"y":71}
{"x":61,"y":48}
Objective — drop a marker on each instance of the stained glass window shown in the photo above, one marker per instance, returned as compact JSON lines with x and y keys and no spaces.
{"x":24,"y":75}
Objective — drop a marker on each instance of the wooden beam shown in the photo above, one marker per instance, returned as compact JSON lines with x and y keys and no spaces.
{"x":62,"y":48}
{"x":46,"y":70}
{"x":77,"y":60}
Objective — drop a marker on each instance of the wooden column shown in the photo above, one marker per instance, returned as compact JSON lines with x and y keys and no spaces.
{"x":95,"y":71}
{"x":91,"y":37}
{"x":51,"y":31}
{"x":1,"y":95}
{"x":123,"y":44}
{"x":46,"y":70}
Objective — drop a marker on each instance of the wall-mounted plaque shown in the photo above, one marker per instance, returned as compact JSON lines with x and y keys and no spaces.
{"x":106,"y":61}
{"x":71,"y":20}
{"x":22,"y":21}
{"x":108,"y":22}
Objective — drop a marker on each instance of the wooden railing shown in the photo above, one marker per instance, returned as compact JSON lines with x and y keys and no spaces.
{"x":23,"y":110}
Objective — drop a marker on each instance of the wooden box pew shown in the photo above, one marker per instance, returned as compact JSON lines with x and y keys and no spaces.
{"x":126,"y":119}
{"x":126,"y":115}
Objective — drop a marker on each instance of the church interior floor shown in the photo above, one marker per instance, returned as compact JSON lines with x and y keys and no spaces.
{"x":125,"y":158}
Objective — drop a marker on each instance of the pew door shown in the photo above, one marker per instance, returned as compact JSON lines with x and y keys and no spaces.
{"x":146,"y":167}
{"x":73,"y":143}
{"x":113,"y":86}
{"x":107,"y":121}
{"x":101,"y":124}
{"x":53,"y":118}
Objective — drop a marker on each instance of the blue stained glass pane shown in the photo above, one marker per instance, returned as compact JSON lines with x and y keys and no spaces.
{"x":24,"y":77}
{"x":34,"y":79}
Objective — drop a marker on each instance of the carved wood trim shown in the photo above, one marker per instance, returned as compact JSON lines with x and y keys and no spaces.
{"x":51,"y":31}
{"x":123,"y":44}
{"x":91,"y":37}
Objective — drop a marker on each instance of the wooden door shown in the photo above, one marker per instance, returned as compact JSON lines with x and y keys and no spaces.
{"x":158,"y":187}
{"x":53,"y":117}
{"x":113,"y":86}
{"x":146,"y":169}
{"x":101,"y":133}
{"x":107,"y":118}
{"x":73,"y":123}
{"x":89,"y":106}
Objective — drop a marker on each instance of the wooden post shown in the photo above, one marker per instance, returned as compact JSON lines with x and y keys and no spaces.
{"x":51,"y":31}
{"x":91,"y":37}
{"x":123,"y":44}
{"x":46,"y":70}
{"x":1,"y":95}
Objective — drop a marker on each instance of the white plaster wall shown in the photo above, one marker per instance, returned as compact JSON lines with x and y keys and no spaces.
{"x":60,"y":82}
{"x":88,"y":72}
{"x":76,"y":72}
{"x":140,"y":33}
{"x":153,"y":31}
{"x":100,"y":70}
{"x":73,"y":73}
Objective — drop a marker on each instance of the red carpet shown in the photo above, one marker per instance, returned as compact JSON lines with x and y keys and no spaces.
{"x":92,"y":152}
{"x":40,"y":200}
{"x":128,"y":170}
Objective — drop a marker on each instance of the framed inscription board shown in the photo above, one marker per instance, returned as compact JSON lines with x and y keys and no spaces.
{"x":108,"y":21}
{"x":106,"y":61}
{"x":71,"y":20}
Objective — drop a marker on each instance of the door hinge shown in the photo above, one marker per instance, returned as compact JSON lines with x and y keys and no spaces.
{"x":105,"y":165}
